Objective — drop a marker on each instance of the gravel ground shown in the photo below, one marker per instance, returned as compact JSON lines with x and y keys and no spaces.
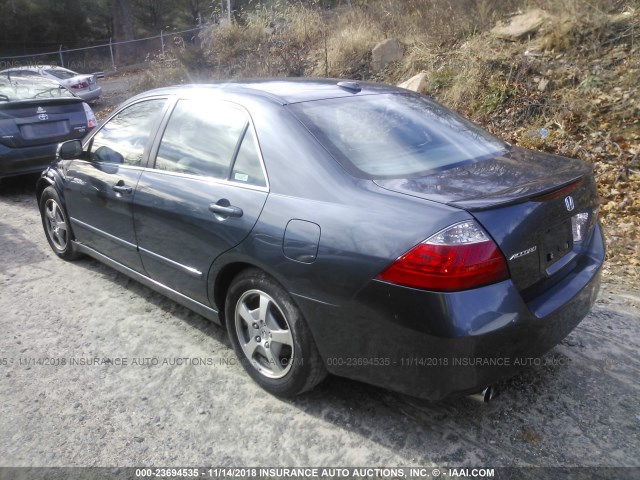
{"x":581,"y":409}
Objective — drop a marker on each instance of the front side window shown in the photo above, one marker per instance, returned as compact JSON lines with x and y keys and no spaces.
{"x":395,"y":135}
{"x":123,"y":138}
{"x":201,"y":138}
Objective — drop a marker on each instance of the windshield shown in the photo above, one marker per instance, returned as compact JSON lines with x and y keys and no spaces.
{"x":30,"y":89}
{"x":62,"y":74}
{"x":395,"y":135}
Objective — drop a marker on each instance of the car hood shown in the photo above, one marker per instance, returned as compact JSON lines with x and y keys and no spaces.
{"x":514,"y":177}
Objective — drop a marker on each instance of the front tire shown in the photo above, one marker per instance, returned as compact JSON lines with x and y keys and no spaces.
{"x":270,"y":337}
{"x":57,"y":227}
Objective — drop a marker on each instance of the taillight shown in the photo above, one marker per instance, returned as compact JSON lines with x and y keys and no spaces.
{"x":459,"y":257}
{"x":582,"y":224}
{"x":91,"y":118}
{"x":80,"y":85}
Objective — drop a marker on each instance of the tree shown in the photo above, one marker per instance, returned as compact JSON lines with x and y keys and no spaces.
{"x":122,"y":26}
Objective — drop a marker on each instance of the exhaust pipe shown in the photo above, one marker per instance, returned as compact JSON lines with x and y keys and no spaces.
{"x":486,"y":395}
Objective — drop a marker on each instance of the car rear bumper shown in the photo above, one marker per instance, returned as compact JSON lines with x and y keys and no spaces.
{"x":432,"y":345}
{"x":25,"y":160}
{"x":88,"y":95}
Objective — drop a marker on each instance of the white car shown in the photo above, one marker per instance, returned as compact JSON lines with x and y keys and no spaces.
{"x":84,"y":85}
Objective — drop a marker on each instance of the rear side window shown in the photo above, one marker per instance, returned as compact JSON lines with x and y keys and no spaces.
{"x":247,"y":167}
{"x":394,"y":135}
{"x":123,"y":138}
{"x":210,"y":139}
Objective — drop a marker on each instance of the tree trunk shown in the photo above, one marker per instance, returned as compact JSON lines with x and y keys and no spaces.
{"x":122,"y":28}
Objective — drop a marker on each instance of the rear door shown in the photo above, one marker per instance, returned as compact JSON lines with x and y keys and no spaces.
{"x":99,"y":190}
{"x":202,"y":197}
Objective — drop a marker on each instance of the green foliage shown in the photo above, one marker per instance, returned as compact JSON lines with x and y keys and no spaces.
{"x":28,"y":26}
{"x":496,"y":94}
{"x":441,"y":79}
{"x":590,"y":83}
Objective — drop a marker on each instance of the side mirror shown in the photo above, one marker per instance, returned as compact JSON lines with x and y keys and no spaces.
{"x":70,"y":150}
{"x":106,"y":154}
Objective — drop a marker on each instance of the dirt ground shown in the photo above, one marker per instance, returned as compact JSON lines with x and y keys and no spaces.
{"x":187,"y":402}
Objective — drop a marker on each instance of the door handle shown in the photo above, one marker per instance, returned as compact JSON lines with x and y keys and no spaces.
{"x":122,"y":189}
{"x":224,"y":209}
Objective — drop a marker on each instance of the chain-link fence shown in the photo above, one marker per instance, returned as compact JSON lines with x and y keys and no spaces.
{"x":107,"y":57}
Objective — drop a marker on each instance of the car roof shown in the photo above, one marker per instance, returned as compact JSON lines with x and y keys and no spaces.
{"x":6,"y":77}
{"x":26,"y":67}
{"x":37,"y":68}
{"x":285,"y":91}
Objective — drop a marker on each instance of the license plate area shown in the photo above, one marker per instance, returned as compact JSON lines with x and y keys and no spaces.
{"x":36,"y":131}
{"x":557,"y":241}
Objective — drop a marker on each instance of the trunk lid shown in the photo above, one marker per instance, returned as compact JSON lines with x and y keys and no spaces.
{"x":39,"y":122}
{"x":546,"y":190}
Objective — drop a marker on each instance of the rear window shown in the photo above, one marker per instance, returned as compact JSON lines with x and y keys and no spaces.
{"x":61,"y":74}
{"x":30,"y":89}
{"x":395,"y":135}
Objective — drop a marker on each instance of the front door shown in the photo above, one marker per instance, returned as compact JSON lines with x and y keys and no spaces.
{"x":100,"y":189}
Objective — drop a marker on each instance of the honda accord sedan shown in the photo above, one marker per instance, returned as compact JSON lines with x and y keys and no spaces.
{"x":337,"y":227}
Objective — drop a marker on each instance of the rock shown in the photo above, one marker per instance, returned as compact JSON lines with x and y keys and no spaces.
{"x":520,"y":26}
{"x":543,"y":84}
{"x":139,"y":439}
{"x":384,"y":53}
{"x":417,"y":83}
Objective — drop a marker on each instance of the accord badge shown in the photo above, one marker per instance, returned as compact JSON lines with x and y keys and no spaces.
{"x":523,"y":253}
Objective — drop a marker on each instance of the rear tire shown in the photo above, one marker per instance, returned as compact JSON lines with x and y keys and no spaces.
{"x":57,"y":227}
{"x":270,"y":336}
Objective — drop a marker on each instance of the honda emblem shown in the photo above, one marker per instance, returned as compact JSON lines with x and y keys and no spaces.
{"x":568,"y":202}
{"x":43,"y":116}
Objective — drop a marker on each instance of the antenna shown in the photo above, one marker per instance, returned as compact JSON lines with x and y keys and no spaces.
{"x":351,"y":86}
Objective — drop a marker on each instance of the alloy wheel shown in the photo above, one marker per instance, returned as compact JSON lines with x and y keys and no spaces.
{"x":264,"y":334}
{"x":56,"y":224}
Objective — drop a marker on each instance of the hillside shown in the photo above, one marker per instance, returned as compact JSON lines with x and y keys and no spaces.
{"x":569,"y":85}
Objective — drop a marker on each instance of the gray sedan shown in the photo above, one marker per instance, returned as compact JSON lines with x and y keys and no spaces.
{"x":335,"y":227}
